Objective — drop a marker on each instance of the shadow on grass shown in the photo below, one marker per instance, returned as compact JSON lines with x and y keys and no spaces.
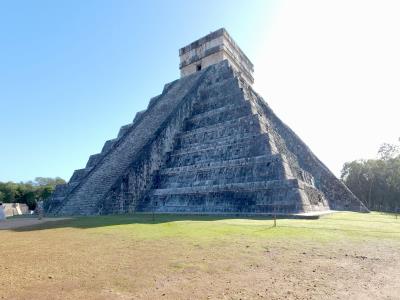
{"x":145,"y":218}
{"x":103,"y":221}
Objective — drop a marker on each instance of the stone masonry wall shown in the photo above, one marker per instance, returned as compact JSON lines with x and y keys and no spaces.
{"x":338,"y":196}
{"x":207,"y":144}
{"x":95,"y":184}
{"x":129,"y":192}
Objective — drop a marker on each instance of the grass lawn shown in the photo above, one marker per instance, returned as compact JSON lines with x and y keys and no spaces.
{"x":340,"y":256}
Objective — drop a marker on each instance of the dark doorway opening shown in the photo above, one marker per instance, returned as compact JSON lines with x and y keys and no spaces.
{"x":198,"y":67}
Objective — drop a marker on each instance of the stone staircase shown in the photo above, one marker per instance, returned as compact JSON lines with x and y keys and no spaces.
{"x":207,"y":144}
{"x":88,"y":186}
{"x":223,"y":162}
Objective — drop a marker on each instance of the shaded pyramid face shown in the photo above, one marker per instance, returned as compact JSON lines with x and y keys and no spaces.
{"x":207,"y":144}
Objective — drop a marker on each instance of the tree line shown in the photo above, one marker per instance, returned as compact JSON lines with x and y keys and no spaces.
{"x":376,"y":182}
{"x":28,"y":192}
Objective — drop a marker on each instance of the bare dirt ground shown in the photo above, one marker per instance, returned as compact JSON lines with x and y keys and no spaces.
{"x":192,"y":259}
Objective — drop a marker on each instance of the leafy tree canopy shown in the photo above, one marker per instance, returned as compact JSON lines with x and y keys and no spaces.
{"x":376,"y":182}
{"x":29,"y":192}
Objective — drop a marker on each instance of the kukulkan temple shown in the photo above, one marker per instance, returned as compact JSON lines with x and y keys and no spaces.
{"x":208,"y":144}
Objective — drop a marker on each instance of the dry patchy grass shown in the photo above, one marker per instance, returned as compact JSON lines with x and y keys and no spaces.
{"x":344,"y":255}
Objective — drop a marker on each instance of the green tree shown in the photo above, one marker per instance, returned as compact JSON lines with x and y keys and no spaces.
{"x":376,"y":182}
{"x":47,"y":181}
{"x":29,"y":192}
{"x":29,"y":198}
{"x":387,"y":151}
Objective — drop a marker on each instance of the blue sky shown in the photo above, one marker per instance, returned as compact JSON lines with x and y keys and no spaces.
{"x":73,"y":72}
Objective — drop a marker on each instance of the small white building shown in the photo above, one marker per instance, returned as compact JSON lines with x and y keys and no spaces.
{"x":14,"y":209}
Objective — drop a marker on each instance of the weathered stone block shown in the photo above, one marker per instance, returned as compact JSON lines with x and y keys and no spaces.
{"x":207,"y":144}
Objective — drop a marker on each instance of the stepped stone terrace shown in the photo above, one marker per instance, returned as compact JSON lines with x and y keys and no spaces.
{"x":207,"y":144}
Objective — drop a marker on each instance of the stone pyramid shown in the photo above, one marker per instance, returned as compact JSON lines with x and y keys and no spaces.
{"x":208,"y":144}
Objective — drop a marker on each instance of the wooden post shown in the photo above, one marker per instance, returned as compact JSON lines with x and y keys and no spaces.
{"x":153,"y":213}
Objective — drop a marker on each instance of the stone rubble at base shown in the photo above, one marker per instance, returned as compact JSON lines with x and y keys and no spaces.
{"x":208,"y":144}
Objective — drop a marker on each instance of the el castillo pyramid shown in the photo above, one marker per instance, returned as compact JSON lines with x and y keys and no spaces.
{"x":208,"y":144}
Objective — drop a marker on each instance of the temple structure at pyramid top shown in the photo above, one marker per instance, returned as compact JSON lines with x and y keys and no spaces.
{"x":207,"y":144}
{"x":214,"y":48}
